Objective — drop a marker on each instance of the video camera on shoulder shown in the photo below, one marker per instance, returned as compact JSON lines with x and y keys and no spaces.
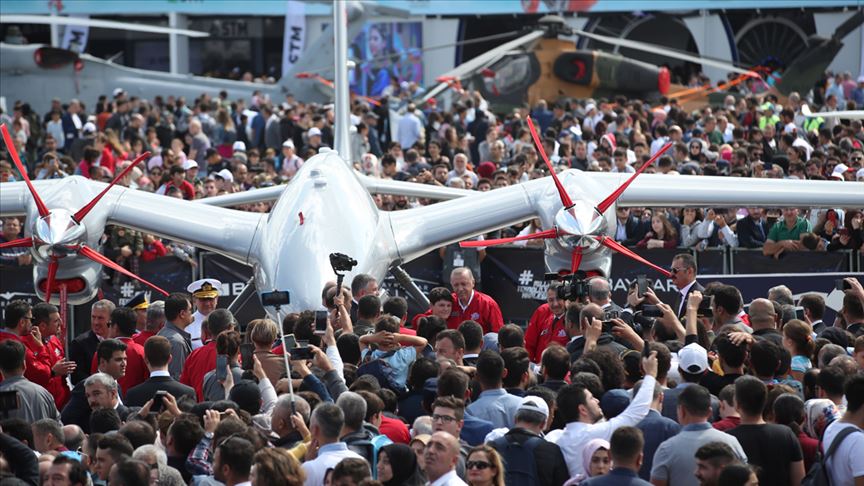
{"x":574,"y":286}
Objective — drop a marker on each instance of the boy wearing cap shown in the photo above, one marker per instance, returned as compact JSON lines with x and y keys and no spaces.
{"x":692,"y":366}
{"x":525,"y":440}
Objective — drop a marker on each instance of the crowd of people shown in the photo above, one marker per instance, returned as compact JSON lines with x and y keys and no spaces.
{"x":592,"y":392}
{"x":701,"y":390}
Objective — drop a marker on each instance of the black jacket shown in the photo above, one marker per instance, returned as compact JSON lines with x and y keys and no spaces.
{"x":749,"y":235}
{"x":77,"y":410}
{"x":138,"y":395}
{"x":635,"y":229}
{"x":81,"y":351}
{"x":677,"y":301}
{"x":551,"y":467}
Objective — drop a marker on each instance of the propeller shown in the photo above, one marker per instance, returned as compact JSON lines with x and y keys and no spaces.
{"x":62,"y":230}
{"x":570,"y":227}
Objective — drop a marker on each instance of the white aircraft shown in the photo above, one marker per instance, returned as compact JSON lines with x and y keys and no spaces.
{"x":37,"y":73}
{"x":327,"y":208}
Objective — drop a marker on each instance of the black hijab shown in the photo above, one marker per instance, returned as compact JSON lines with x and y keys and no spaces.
{"x":403,"y":462}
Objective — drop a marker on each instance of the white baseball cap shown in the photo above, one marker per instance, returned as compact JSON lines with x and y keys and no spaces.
{"x":225,"y":174}
{"x":534,"y":404}
{"x":190,"y":164}
{"x":839,"y":170}
{"x":288,"y":143}
{"x":88,"y":127}
{"x":693,"y":359}
{"x":314,"y":131}
{"x":238,"y":147}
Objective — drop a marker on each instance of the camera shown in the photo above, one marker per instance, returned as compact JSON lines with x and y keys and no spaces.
{"x":574,"y":286}
{"x":341,"y":262}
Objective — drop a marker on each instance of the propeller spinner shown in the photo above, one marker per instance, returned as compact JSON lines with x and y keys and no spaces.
{"x":58,"y":233}
{"x":577,"y":226}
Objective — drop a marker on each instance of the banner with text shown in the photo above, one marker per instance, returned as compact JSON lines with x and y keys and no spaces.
{"x":295,"y":34}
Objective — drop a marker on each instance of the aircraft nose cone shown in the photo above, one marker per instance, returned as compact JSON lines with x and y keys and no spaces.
{"x":579,"y":225}
{"x":57,"y":233}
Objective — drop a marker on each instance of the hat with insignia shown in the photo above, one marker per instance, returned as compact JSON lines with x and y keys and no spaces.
{"x":206,"y":288}
{"x":139,"y":302}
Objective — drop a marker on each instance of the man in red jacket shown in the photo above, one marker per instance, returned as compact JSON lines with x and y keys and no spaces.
{"x":472,"y":304}
{"x":121,"y":327}
{"x":203,"y":359}
{"x":546,"y":325}
{"x":46,"y":318}
{"x":18,"y":322}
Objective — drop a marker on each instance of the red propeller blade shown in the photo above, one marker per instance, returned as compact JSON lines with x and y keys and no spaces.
{"x":40,"y":206}
{"x":565,"y":199}
{"x":99,"y":258}
{"x":20,"y":242}
{"x":49,"y":282}
{"x":610,"y":243}
{"x":610,"y":200}
{"x":89,"y":206}
{"x":553,"y":233}
{"x":575,"y":259}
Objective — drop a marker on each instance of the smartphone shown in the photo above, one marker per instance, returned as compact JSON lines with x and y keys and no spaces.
{"x":275,"y":298}
{"x":799,"y":313}
{"x":246,"y":352}
{"x":290,"y":342}
{"x":221,"y":367}
{"x":641,"y":285}
{"x":705,"y":307}
{"x":842,"y":284}
{"x":158,"y":402}
{"x":320,"y":322}
{"x":300,"y":353}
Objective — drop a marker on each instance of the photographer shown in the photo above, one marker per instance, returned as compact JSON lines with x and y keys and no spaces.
{"x":604,"y":336}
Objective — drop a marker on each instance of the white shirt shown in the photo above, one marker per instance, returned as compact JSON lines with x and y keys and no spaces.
{"x":449,"y":479}
{"x":328,"y":456}
{"x":576,"y":434}
{"x":847,"y":462}
{"x":194,"y":329}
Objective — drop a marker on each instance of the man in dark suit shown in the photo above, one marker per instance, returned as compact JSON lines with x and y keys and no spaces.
{"x":752,"y":230}
{"x":157,"y":355}
{"x":684,"y":277}
{"x":655,"y":429}
{"x":83,"y":347}
{"x":630,"y":229}
{"x":111,"y":359}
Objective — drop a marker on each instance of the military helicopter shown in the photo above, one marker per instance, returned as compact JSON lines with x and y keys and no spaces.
{"x":542,"y":65}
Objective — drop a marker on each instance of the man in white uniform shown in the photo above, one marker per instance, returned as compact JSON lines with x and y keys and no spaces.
{"x":205,"y":294}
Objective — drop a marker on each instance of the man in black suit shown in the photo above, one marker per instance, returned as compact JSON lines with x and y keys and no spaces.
{"x":157,"y":355}
{"x":684,"y":277}
{"x":83,"y":347}
{"x":630,"y":229}
{"x":111,"y":362}
{"x":752,"y":230}
{"x":362,"y":284}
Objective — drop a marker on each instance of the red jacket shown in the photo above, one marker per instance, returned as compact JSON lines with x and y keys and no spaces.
{"x":142,"y":337}
{"x":136,"y":369}
{"x":482,"y":309}
{"x":57,"y":385}
{"x":36,"y":357}
{"x":198,"y":364}
{"x":153,"y":251}
{"x":543,"y":329}
{"x":394,"y":429}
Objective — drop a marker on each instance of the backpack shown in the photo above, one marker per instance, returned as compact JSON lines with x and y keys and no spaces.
{"x":519,"y":464}
{"x":818,"y":473}
{"x":382,"y":371}
{"x":367,"y":446}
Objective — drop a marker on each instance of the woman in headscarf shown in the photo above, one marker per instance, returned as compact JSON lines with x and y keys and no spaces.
{"x":597,"y":461}
{"x":397,"y":465}
{"x":819,"y":413}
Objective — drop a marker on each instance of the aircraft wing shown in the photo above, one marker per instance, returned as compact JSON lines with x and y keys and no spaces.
{"x":223,"y":230}
{"x":846,"y":115}
{"x":372,"y":184}
{"x":420,"y":229}
{"x":480,"y":61}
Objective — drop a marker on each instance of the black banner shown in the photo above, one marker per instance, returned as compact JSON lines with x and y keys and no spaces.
{"x":513,"y":276}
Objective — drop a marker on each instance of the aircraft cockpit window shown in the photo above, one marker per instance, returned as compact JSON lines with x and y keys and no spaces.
{"x":54,"y":58}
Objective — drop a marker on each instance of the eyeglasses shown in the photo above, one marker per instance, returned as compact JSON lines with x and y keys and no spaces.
{"x":443,"y":418}
{"x":676,"y":270}
{"x":477,"y":465}
{"x":856,"y":159}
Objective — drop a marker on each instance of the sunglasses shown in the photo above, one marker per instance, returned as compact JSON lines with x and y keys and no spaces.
{"x":674,"y":270}
{"x":477,"y":465}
